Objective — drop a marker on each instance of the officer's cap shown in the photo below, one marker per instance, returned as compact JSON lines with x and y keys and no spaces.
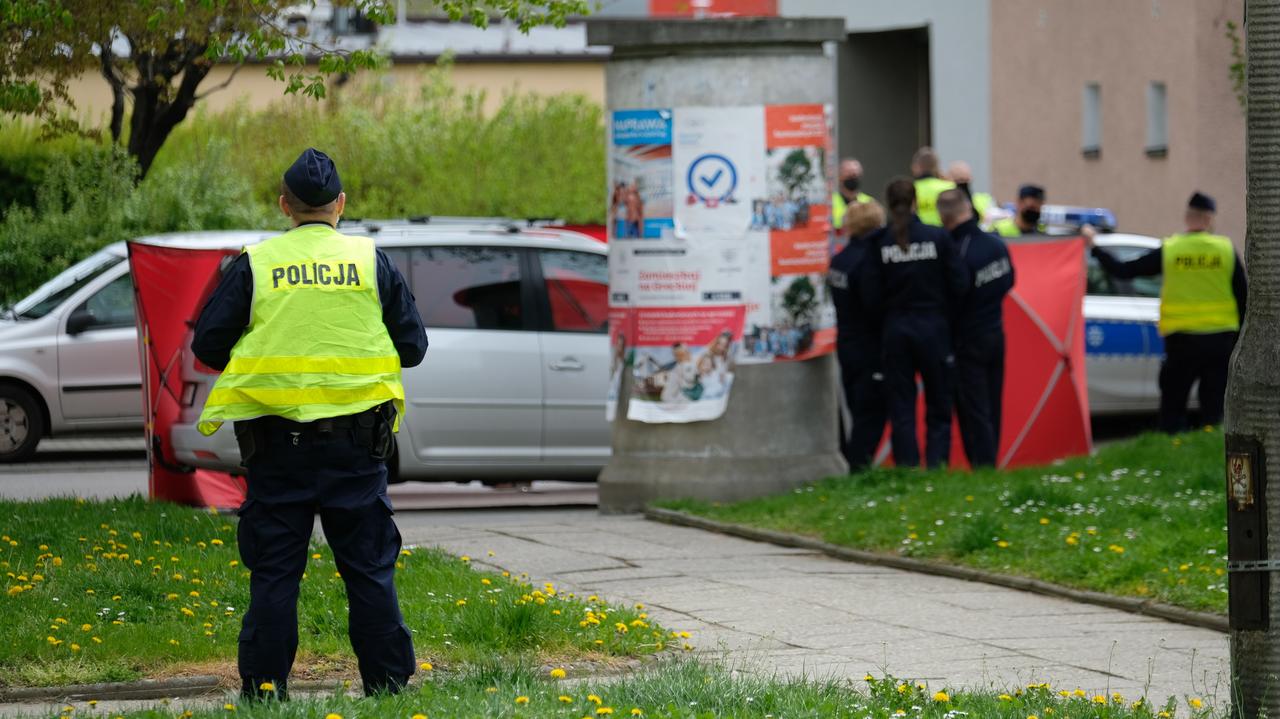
{"x":313,"y":178}
{"x":1035,"y":192}
{"x":1201,"y":201}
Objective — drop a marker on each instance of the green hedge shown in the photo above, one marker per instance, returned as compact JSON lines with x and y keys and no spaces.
{"x":427,"y":151}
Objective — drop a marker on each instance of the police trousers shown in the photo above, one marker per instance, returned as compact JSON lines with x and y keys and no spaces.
{"x":919,"y":342}
{"x":863,"y":384}
{"x":980,"y":395}
{"x":293,"y":475}
{"x":1188,"y":358}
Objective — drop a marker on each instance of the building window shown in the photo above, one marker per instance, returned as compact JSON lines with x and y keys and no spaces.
{"x":1091,"y":141}
{"x":1157,"y":120}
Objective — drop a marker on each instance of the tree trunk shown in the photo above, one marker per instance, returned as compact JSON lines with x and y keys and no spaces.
{"x":157,"y":106}
{"x":1253,"y":394}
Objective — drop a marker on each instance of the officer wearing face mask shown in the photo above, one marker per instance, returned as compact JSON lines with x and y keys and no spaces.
{"x":847,"y":193}
{"x":1026,"y":221}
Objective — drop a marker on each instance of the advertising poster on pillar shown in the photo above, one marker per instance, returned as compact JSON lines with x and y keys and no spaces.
{"x":790,"y":313}
{"x":719,"y":168}
{"x":640,"y":176}
{"x":686,"y":321}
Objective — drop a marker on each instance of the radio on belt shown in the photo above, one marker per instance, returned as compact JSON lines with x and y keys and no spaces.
{"x":1249,"y":569}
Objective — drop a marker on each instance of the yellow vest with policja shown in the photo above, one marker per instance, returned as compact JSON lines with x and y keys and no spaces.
{"x":927,"y":191}
{"x":1196,"y":296}
{"x":315,"y":346}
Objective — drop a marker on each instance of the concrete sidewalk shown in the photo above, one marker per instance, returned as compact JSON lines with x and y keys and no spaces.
{"x":791,"y":611}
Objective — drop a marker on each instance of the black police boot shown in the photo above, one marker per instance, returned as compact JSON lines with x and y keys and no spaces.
{"x":384,"y":685}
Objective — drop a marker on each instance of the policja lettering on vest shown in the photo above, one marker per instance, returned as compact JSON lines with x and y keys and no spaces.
{"x":340,"y":274}
{"x":311,"y":329}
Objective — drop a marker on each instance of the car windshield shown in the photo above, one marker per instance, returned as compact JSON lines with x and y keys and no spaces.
{"x":56,"y":291}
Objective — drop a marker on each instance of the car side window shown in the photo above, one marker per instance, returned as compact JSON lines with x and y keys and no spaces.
{"x":1138,"y":286}
{"x":111,"y":306}
{"x":467,"y":287}
{"x":577,"y":290}
{"x":1098,"y":282}
{"x":399,"y":257}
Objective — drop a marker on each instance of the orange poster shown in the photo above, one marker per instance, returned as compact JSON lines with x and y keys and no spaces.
{"x":713,"y":8}
{"x":795,"y":126}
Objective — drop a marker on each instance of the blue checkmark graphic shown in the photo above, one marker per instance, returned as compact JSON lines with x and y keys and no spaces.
{"x":711,"y":181}
{"x":713,"y":186}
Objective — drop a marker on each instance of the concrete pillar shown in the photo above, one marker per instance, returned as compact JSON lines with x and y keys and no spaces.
{"x":780,"y":426}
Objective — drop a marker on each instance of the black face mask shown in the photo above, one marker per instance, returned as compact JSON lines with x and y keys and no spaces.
{"x":1031,"y":216}
{"x":963,"y":187}
{"x":850,"y":184}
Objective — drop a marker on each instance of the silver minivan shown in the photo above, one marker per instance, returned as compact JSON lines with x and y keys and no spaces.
{"x":513,"y":384}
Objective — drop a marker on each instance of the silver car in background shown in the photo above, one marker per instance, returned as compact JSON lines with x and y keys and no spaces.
{"x":514,"y":381}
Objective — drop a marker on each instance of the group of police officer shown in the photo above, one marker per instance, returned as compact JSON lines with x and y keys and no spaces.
{"x":921,"y":291}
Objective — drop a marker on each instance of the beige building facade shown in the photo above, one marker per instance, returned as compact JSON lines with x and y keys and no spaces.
{"x":1127,"y":104}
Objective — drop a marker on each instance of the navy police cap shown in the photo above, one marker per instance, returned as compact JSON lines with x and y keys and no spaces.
{"x":1201,"y":201}
{"x":1034,"y":191}
{"x":313,"y":178}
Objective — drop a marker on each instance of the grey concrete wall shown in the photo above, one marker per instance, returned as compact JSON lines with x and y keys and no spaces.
{"x":960,"y":64}
{"x":779,"y":430}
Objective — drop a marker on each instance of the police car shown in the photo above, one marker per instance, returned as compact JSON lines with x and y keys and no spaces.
{"x":1123,"y":347}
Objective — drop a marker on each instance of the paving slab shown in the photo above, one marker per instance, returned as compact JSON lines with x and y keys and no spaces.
{"x":794,"y":612}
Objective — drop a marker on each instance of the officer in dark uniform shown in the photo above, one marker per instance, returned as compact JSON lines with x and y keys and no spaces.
{"x":334,"y":466}
{"x":1202,"y":304}
{"x":914,"y":279}
{"x":979,"y":329}
{"x":858,"y":338}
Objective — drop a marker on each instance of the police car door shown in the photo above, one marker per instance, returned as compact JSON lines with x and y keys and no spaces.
{"x":1122,"y":345}
{"x":574,"y":304}
{"x":475,"y":402}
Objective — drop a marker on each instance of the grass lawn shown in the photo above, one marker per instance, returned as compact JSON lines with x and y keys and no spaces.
{"x":1143,"y":518}
{"x":692,"y":691}
{"x":117,"y":590}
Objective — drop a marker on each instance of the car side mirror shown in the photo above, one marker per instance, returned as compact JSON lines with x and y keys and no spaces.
{"x":80,"y":320}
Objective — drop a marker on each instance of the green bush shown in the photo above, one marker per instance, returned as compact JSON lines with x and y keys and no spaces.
{"x":87,"y":200}
{"x":430,"y":152}
{"x":25,"y":157}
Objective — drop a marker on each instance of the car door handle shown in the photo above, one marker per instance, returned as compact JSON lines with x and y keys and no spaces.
{"x":567,"y":364}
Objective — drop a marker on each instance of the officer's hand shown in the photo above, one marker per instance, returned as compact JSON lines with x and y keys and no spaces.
{"x":1088,"y":233}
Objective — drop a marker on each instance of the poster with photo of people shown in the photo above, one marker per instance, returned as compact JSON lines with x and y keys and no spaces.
{"x":738,"y":276}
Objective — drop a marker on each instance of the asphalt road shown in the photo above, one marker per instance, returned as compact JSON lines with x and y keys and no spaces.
{"x":114,"y":467}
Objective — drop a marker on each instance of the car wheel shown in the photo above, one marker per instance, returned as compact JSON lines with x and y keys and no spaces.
{"x":21,"y":424}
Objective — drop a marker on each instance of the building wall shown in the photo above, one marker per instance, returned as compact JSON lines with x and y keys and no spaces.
{"x":960,"y":55}
{"x":1045,"y":51}
{"x":93,"y":95}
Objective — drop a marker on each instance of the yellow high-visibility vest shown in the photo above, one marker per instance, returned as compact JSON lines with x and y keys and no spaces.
{"x":315,"y":346}
{"x":982,"y":202}
{"x":927,"y":191}
{"x":1008,"y":227}
{"x":1197,"y":296}
{"x":839,"y":207}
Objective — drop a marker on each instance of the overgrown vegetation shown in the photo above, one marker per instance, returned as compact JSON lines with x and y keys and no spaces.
{"x":429,"y":151}
{"x":1142,"y":518}
{"x":689,"y":690}
{"x":115,"y":590}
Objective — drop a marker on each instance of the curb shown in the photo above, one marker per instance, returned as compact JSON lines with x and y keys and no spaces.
{"x":144,"y":689}
{"x":1146,"y":607}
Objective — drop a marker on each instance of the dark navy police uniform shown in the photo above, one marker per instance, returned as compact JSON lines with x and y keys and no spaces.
{"x":979,"y":341}
{"x":915,"y":291}
{"x":298,"y":470}
{"x":858,"y":349}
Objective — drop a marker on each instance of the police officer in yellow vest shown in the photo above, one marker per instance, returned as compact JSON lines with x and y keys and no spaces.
{"x":847,"y":193}
{"x":1026,"y":218}
{"x":924,"y":168}
{"x":310,"y":330}
{"x":1202,"y":303}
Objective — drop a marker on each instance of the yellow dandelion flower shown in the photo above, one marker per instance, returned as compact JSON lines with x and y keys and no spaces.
{"x":635,"y":712}
{"x":1002,"y":544}
{"x":604,"y":710}
{"x":868,"y":678}
{"x":418,"y":716}
{"x":332,"y":715}
{"x":1099,"y":699}
{"x":1079,"y":693}
{"x":565,"y":698}
{"x":75,"y":647}
{"x":557,"y":673}
{"x":426,"y":666}
{"x":461,"y":602}
{"x":267,"y":687}
{"x":491,"y":690}
{"x":941,"y":697}
{"x":485,"y":582}
{"x":1195,"y":702}
{"x":594,"y":699}
{"x":229,"y":707}
{"x":522,"y":699}
{"x":465,"y":558}
{"x":216,"y":542}
{"x":1005,"y":698}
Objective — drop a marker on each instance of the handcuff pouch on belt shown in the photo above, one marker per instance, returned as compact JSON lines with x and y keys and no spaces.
{"x":371,"y":428}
